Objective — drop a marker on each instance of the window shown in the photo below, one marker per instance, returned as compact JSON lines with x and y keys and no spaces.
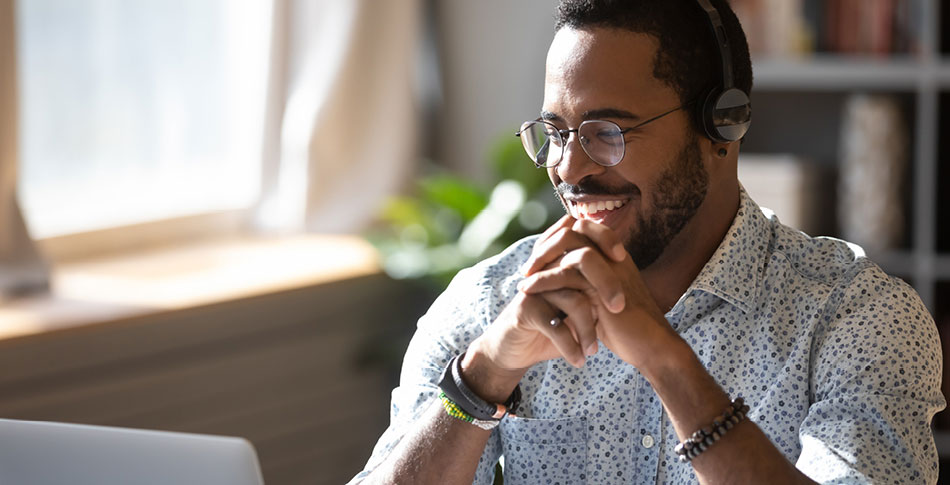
{"x":139,"y":111}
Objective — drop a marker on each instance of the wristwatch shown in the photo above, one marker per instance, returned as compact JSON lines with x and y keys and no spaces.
{"x":455,"y":389}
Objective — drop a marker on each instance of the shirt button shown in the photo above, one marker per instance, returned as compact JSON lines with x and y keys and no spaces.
{"x":648,"y":441}
{"x":689,"y":300}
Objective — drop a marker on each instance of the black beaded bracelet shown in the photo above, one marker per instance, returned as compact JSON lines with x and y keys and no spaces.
{"x":704,"y":438}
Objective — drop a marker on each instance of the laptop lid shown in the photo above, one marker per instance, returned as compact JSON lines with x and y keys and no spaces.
{"x":43,"y":453}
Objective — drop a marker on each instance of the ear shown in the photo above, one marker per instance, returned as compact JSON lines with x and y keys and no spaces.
{"x":713,"y":151}
{"x":724,"y":150}
{"x":722,"y":158}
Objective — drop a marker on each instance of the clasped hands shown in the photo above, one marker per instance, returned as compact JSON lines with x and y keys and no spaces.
{"x":579,"y":268}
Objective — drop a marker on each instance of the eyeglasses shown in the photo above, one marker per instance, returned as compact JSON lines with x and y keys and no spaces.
{"x":603,"y":141}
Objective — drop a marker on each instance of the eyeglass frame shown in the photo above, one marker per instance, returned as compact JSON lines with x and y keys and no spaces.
{"x":565,"y":134}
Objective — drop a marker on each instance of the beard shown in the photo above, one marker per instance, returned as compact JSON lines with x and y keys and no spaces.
{"x":676,"y":196}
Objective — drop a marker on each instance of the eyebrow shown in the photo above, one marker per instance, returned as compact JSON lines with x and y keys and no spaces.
{"x":595,"y":114}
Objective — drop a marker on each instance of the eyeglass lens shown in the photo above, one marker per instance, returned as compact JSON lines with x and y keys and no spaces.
{"x":601,"y":140}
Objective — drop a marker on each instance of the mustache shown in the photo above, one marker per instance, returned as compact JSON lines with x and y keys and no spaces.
{"x":593,"y":187}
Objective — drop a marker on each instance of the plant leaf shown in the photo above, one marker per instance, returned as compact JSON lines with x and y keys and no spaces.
{"x":454,"y":193}
{"x":511,"y":162}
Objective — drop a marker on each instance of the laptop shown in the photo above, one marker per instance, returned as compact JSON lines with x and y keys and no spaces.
{"x":43,"y":453}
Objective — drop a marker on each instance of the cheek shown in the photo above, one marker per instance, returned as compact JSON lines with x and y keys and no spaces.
{"x":638,"y":171}
{"x":648,"y":156}
{"x":650,"y":159}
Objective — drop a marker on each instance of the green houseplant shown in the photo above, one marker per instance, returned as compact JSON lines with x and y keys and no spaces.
{"x":449,"y":222}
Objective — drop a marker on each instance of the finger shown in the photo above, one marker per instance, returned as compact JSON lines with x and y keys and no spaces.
{"x":555,"y":278}
{"x":538,"y":313}
{"x":580,"y":316}
{"x":599,"y":275}
{"x":562,"y":224}
{"x":552,"y":248}
{"x":585,"y":270}
{"x":560,"y":239}
{"x":604,"y":237}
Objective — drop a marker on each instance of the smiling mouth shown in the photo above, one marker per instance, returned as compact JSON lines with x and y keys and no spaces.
{"x":594,"y":210}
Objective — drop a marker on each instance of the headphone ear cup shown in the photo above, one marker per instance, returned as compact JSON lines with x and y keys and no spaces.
{"x":726,"y":116}
{"x":704,"y":114}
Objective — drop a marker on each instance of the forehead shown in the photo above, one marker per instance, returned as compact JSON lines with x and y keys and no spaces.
{"x":603,"y":68}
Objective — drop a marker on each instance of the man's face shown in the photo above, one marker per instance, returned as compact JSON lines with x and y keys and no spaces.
{"x":661,"y":182}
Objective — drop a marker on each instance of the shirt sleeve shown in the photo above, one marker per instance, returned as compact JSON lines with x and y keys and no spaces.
{"x":454,"y":320}
{"x":876,"y":365}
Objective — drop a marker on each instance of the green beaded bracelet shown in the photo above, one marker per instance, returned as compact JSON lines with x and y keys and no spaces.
{"x":453,"y":409}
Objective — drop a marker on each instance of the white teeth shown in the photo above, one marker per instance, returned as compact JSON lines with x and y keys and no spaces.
{"x":581,"y":209}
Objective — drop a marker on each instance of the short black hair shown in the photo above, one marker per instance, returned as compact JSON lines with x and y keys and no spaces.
{"x":687,"y":59}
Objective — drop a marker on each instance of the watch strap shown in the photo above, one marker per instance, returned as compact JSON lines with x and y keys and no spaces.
{"x":467,"y":400}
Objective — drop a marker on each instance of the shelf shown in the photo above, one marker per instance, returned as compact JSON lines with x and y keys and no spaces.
{"x":895,"y":262}
{"x":833,"y":73}
{"x":904,"y":263}
{"x":942,"y":438}
{"x":942,"y":267}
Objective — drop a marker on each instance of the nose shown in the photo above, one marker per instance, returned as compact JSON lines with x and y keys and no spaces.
{"x":575,"y":164}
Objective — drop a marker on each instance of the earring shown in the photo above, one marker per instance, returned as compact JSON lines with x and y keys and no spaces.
{"x":723,"y":152}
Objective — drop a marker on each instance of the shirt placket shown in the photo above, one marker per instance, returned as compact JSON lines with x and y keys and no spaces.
{"x":646,"y":434}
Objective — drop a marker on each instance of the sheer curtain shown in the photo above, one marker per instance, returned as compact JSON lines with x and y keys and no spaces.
{"x":342,"y":129}
{"x":21,"y":268}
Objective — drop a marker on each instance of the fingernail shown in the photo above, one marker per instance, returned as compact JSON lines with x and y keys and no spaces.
{"x":592,"y":349}
{"x":525,"y":283}
{"x":620,"y":252}
{"x":524,"y":268}
{"x":617,"y":303}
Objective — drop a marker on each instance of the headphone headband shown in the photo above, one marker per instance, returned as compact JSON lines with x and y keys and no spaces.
{"x":722,"y":42}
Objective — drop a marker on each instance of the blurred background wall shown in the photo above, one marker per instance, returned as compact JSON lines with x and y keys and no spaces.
{"x":491,"y":56}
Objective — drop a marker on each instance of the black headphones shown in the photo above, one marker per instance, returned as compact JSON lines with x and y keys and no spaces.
{"x":725,"y":112}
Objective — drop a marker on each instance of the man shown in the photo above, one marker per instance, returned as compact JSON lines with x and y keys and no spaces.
{"x":629,"y":329}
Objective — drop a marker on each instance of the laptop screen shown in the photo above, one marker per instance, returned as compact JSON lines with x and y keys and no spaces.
{"x":42,"y":453}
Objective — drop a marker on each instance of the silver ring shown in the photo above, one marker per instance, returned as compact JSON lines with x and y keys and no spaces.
{"x":558,"y":319}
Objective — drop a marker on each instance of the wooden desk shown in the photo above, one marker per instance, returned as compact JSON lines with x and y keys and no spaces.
{"x":255,"y":338}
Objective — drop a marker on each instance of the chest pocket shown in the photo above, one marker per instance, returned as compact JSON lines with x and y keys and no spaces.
{"x":544,"y":451}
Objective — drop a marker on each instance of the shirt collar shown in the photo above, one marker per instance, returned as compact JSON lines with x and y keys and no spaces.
{"x":733,"y":271}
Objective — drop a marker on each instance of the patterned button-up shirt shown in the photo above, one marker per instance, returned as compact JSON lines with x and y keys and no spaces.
{"x":839,"y":362}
